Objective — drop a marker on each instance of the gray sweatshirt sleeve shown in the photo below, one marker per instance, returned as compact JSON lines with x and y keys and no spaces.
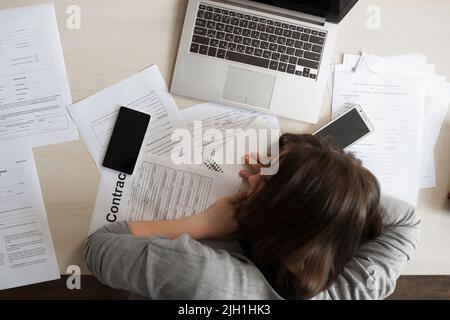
{"x":374,"y":270}
{"x":117,"y":258}
{"x":182,"y":268}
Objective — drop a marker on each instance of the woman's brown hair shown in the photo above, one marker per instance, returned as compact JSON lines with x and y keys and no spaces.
{"x":307,"y":221}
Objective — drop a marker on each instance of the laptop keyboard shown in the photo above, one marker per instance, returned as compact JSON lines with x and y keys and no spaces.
{"x":258,"y":41}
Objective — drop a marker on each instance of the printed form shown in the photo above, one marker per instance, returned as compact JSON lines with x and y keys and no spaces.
{"x":145,"y":91}
{"x":34,"y":91}
{"x":436,"y":100}
{"x":223,"y":118}
{"x":158,"y":190}
{"x":395,"y":106}
{"x":437,"y":96}
{"x":26,"y":251}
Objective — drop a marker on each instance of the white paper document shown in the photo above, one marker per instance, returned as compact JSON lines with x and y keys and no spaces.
{"x":26,"y":250}
{"x":436,"y":100}
{"x":145,"y":91}
{"x":34,"y":90}
{"x":437,"y":96}
{"x":395,"y":106}
{"x":350,"y":61}
{"x":223,"y":118}
{"x":159,"y":190}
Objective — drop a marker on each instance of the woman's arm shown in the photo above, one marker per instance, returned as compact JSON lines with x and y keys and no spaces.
{"x":216,"y":222}
{"x":159,"y":268}
{"x":169,"y":229}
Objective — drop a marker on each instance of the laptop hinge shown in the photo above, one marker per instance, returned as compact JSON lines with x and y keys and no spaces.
{"x":283,"y":13}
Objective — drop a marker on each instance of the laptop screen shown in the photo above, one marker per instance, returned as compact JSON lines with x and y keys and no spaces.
{"x":332,"y":10}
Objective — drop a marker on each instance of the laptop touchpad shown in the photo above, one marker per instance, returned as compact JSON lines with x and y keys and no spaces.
{"x":248,"y":87}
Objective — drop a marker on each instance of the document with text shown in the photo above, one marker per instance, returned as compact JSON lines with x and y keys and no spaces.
{"x":395,"y":106}
{"x":145,"y":91}
{"x":227,"y":120}
{"x":26,"y":250}
{"x":437,"y":96}
{"x":159,"y":190}
{"x":34,"y":90}
{"x":436,"y":100}
{"x":223,"y":117}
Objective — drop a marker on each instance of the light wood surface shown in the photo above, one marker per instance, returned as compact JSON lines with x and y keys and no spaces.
{"x":118,"y":38}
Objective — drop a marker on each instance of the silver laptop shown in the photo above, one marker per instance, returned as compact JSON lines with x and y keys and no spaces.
{"x":271,"y":58}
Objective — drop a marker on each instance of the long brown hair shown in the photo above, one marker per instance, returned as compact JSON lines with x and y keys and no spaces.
{"x":307,"y":221}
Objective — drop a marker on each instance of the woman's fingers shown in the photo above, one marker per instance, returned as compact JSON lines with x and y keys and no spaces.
{"x":253,"y":182}
{"x":245,"y":174}
{"x":235,"y":198}
{"x":252,"y":161}
{"x":252,"y":179}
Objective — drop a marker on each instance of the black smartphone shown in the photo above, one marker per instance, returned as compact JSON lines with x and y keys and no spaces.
{"x":348,"y":128}
{"x":126,"y":140}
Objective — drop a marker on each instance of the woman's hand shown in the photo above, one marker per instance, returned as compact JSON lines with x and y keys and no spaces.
{"x":218,"y":221}
{"x":252,"y":176}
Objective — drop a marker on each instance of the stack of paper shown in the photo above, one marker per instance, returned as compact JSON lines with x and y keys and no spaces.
{"x":407,"y":103}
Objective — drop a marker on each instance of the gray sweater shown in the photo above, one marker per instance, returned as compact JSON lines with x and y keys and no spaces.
{"x":183,"y":268}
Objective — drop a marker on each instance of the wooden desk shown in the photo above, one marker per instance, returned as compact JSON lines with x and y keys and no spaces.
{"x":118,"y":38}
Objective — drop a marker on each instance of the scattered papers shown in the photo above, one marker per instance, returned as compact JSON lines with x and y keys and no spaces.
{"x":34,"y":91}
{"x":397,"y":93}
{"x":159,"y":190}
{"x":145,"y":91}
{"x":26,"y":250}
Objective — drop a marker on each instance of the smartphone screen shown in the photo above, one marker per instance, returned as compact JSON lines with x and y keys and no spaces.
{"x":348,"y":128}
{"x":126,"y":140}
